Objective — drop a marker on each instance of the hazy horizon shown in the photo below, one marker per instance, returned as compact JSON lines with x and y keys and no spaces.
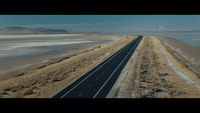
{"x":105,"y":23}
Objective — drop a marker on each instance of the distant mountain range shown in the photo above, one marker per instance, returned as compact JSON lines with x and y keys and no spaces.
{"x":20,"y":30}
{"x":11,"y":30}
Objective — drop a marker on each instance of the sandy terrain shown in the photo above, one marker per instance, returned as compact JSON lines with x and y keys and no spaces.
{"x":156,"y":72}
{"x":50,"y":78}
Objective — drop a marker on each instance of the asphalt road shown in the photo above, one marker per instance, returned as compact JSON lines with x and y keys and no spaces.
{"x":98,"y":82}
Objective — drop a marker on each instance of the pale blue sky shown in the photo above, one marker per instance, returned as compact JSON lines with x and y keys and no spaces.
{"x":105,"y":23}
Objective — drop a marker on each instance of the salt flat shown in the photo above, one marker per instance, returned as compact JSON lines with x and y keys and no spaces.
{"x":22,"y":51}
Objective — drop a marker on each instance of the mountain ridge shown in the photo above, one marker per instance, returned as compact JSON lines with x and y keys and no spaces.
{"x":28,"y":30}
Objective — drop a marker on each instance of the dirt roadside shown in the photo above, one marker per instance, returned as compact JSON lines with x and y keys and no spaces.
{"x":157,"y":73}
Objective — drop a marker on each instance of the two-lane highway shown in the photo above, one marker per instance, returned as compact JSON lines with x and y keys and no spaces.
{"x":98,"y":82}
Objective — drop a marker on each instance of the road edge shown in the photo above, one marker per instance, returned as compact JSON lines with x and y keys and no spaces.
{"x":116,"y":89}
